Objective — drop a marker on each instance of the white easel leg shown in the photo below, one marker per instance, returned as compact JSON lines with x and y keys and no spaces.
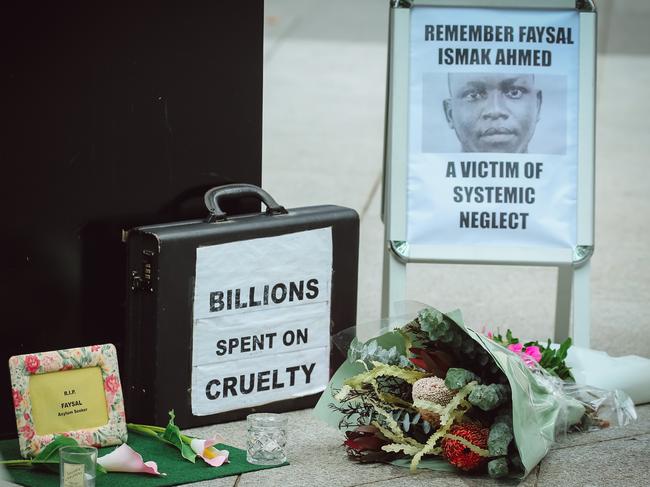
{"x":563,"y":302}
{"x":582,"y":305}
{"x":393,"y":284}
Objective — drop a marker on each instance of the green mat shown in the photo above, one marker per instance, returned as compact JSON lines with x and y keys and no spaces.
{"x":168,"y":458}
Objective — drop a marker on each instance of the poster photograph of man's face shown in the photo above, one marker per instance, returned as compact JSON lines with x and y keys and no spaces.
{"x":494,"y":112}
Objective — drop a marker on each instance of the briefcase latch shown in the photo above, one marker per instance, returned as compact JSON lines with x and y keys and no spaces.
{"x":143,"y":281}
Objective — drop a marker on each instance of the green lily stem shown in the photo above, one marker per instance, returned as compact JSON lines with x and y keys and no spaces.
{"x":144,"y":429}
{"x":154,"y":430}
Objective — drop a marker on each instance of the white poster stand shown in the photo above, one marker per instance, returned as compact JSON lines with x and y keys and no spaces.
{"x":489,"y":153}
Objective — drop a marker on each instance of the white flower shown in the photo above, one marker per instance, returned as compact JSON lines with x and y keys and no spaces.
{"x":209,"y":453}
{"x":126,"y":459}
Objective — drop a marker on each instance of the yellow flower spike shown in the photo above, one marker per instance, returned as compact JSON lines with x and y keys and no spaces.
{"x":206,"y":450}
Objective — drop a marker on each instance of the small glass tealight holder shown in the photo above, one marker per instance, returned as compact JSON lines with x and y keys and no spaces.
{"x":266,"y":439}
{"x":77,"y":466}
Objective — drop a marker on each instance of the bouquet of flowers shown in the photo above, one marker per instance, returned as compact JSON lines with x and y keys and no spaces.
{"x":437,"y":394}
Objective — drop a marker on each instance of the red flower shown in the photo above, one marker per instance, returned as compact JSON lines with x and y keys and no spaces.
{"x":364,"y":445}
{"x":18,"y":397}
{"x":458,"y":454}
{"x":27,"y":432}
{"x":32,"y":363}
{"x":111,"y":384}
{"x":437,"y":362}
{"x":67,"y":367}
{"x":26,"y":416}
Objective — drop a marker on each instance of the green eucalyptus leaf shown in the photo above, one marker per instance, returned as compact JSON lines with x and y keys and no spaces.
{"x":498,"y":468}
{"x":406,"y":422}
{"x":457,"y":378}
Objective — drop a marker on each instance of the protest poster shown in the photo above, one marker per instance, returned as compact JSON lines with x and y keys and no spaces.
{"x":493,"y":127}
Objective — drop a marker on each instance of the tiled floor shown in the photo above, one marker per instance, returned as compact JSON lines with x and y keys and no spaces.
{"x":611,"y":457}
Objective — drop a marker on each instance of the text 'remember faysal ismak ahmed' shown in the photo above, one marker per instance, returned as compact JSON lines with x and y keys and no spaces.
{"x":493,"y":112}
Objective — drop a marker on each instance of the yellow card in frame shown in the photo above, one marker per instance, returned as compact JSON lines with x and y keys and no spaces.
{"x":74,"y":392}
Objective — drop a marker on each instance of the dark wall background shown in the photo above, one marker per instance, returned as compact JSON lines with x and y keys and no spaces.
{"x":113,"y":116}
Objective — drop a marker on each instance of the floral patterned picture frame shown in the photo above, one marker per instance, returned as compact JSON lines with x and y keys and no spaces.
{"x":22,"y":367}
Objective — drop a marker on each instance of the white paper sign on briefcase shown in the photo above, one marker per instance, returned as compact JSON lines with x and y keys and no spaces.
{"x":261,"y":321}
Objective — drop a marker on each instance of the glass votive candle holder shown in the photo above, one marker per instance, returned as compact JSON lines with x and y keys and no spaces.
{"x":77,"y":466}
{"x":266,"y":439}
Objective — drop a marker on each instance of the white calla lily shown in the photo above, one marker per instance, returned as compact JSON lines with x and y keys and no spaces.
{"x":126,"y":459}
{"x":206,"y":450}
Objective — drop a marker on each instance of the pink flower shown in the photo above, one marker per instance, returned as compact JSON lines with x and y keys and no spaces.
{"x":534,"y":352}
{"x":18,"y":397}
{"x":95,"y":348}
{"x":27,"y":431}
{"x":111,"y":384}
{"x":206,"y":450}
{"x":32,"y":363}
{"x":490,"y":335}
{"x":126,"y":459}
{"x":531,"y":355}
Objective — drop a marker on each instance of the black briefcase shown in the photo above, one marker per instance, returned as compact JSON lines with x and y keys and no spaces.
{"x":233,"y":315}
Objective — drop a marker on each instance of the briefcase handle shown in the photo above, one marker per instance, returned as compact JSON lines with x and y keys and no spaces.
{"x":215,"y":195}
